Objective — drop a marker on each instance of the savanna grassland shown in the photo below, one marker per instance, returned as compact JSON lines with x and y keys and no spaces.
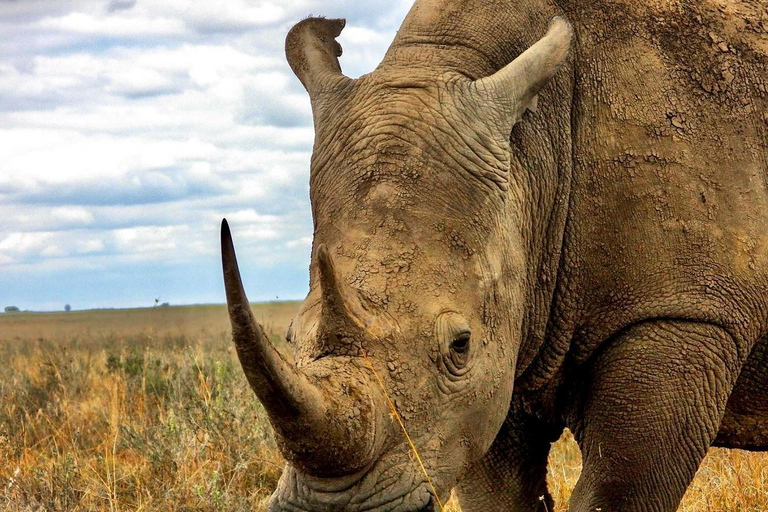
{"x":148,"y":410}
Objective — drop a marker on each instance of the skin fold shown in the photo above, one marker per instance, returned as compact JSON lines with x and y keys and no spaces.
{"x":523,"y":224}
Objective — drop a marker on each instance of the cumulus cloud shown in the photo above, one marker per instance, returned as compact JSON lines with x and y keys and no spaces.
{"x":131,"y":128}
{"x":120,"y":5}
{"x":114,"y":27}
{"x":72,"y":215}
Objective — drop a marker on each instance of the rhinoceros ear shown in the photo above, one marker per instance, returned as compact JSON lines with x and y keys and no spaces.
{"x":514,"y":88}
{"x":313,"y":54}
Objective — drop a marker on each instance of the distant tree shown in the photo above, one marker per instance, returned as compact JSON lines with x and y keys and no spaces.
{"x":67,"y":308}
{"x":164,"y":305}
{"x":11,"y":309}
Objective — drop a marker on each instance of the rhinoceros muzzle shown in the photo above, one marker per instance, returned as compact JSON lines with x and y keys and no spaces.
{"x":278,"y":506}
{"x":392,"y":484}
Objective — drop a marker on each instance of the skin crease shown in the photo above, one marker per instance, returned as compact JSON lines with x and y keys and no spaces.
{"x":608,"y":257}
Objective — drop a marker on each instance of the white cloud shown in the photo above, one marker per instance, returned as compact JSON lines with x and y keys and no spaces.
{"x":119,"y":5}
{"x":148,"y":239}
{"x":305,"y":241}
{"x":251,"y":216}
{"x":90,"y":246}
{"x":139,"y":82}
{"x":354,"y":36}
{"x":25,"y":243}
{"x":20,"y":11}
{"x":49,"y":156}
{"x":227,"y":16}
{"x":72,"y":215}
{"x":131,"y":128}
{"x":113,"y":26}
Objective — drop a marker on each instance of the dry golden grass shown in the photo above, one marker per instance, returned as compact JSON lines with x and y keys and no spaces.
{"x":148,"y":410}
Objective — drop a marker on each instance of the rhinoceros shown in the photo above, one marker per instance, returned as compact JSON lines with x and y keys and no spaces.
{"x":532,"y":215}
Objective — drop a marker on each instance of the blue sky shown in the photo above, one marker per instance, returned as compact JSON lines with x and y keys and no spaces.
{"x":129,"y":128}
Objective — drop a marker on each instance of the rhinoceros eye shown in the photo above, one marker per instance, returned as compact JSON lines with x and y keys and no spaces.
{"x":455,"y":338}
{"x":460,"y":343}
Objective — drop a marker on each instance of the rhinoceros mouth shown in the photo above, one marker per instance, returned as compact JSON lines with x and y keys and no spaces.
{"x":394,"y":490}
{"x":400,"y":504}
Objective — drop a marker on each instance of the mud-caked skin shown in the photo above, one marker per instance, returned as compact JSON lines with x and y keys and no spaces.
{"x":523,"y":224}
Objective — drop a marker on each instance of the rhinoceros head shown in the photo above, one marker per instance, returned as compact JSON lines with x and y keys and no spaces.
{"x":413,"y":320}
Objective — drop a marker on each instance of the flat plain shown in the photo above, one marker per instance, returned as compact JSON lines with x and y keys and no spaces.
{"x":148,"y":410}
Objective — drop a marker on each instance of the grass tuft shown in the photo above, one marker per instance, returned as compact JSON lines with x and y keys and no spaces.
{"x":148,"y":410}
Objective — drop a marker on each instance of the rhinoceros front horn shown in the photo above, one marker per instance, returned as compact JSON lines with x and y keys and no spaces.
{"x":310,"y":421}
{"x":284,"y":391}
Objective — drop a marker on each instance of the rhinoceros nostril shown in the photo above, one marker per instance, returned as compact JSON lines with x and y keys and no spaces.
{"x":429,"y":507}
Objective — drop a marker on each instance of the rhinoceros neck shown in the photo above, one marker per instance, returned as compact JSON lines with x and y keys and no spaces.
{"x":473,"y":37}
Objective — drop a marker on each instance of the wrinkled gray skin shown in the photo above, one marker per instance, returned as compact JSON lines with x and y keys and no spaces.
{"x":509,"y":264}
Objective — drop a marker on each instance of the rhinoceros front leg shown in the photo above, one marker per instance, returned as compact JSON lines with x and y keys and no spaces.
{"x":512,"y":475}
{"x":652,"y":407}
